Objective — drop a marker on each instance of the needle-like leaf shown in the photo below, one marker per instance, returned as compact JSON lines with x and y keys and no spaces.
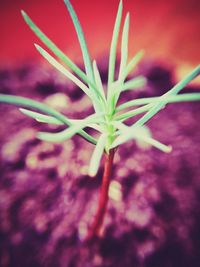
{"x":63,"y":70}
{"x":96,"y":156}
{"x":156,"y":143}
{"x":129,"y":85}
{"x":138,"y":134}
{"x":134,"y":112}
{"x":55,"y":49}
{"x":81,"y":38}
{"x":98,"y":81}
{"x":72,"y":77}
{"x":115,"y":94}
{"x":51,"y":120}
{"x":113,"y":48}
{"x":135,"y":83}
{"x":124,"y":48}
{"x":170,"y":99}
{"x":32,"y":104}
{"x":116,"y":88}
{"x":133,"y":62}
{"x":41,"y":117}
{"x":69,"y":132}
{"x":175,"y":90}
{"x":150,"y":102}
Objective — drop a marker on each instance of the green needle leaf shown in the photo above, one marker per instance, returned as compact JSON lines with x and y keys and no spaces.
{"x":134,"y":112}
{"x":157,"y":144}
{"x":98,"y":81}
{"x":135,"y":83}
{"x":133,"y":62}
{"x":113,"y":48}
{"x":140,"y":135}
{"x":170,"y":99}
{"x":70,"y":76}
{"x":96,"y":156}
{"x":69,"y":132}
{"x":41,"y":117}
{"x":63,"y":70}
{"x":51,"y":120}
{"x":55,"y":49}
{"x":124,"y":48}
{"x":177,"y":88}
{"x":32,"y":104}
{"x":81,"y":38}
{"x":54,"y":137}
{"x":124,"y":55}
{"x":129,"y":85}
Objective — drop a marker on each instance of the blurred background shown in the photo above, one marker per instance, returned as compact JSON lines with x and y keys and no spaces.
{"x":47,"y":199}
{"x":167,"y":30}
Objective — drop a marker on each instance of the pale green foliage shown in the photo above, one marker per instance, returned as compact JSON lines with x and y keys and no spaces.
{"x":108,"y":117}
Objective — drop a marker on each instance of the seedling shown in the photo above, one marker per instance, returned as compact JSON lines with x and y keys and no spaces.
{"x":109,"y":118}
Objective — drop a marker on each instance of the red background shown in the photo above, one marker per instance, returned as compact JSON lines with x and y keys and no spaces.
{"x":168,"y":30}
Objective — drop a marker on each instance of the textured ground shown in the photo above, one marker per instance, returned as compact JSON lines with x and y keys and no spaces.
{"x":47,"y":199}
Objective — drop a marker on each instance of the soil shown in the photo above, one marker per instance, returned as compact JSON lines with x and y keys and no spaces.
{"x":47,"y":200}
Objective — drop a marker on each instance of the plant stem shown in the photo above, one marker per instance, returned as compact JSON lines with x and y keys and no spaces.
{"x":95,"y":227}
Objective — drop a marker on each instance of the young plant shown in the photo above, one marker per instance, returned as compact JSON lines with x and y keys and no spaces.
{"x":109,"y":118}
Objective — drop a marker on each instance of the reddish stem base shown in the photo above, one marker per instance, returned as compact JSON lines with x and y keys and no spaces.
{"x":95,"y":227}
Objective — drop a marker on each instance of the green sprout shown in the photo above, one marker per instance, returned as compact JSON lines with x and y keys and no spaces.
{"x":109,"y":118}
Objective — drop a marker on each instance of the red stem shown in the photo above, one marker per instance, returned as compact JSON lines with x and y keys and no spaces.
{"x":103,"y":198}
